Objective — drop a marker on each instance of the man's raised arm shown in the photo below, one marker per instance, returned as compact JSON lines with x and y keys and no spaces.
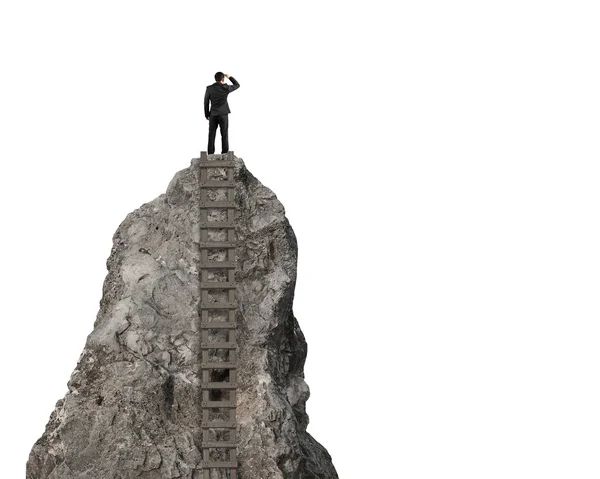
{"x":235,"y":85}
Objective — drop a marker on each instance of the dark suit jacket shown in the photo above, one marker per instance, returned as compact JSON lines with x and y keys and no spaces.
{"x":217,"y":95}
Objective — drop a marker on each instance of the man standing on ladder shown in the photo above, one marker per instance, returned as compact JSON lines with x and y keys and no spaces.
{"x":216,"y":94}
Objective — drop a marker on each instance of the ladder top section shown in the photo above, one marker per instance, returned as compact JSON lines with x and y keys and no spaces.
{"x":204,"y":156}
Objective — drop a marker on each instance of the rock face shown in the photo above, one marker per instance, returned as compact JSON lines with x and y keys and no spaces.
{"x":133,"y":403}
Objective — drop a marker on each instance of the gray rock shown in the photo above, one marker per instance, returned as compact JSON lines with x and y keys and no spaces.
{"x":133,"y":403}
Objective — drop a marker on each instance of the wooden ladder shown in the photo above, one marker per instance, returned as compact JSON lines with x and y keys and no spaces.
{"x":222,"y":309}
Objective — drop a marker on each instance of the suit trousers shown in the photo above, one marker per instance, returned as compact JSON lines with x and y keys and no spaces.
{"x":222,"y":121}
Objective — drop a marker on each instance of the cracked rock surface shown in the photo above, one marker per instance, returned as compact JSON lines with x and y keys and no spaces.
{"x":132,"y":409}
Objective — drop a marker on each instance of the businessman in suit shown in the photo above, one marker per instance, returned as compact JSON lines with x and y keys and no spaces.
{"x":216,"y":94}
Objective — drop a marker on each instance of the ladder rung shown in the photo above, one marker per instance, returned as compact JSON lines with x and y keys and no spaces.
{"x":218,"y":345}
{"x":223,"y":424}
{"x":218,"y":264}
{"x":219,"y":444}
{"x":217,"y":464}
{"x":217,"y":244}
{"x":218,"y":305}
{"x":218,"y":204}
{"x":219,"y":365}
{"x":216,"y":163}
{"x":217,"y":184}
{"x":219,"y":385}
{"x":218,"y":285}
{"x":216,"y":224}
{"x":218,"y":325}
{"x":224,"y":404}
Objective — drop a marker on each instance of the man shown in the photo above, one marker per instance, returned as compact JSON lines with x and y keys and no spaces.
{"x":216,"y":94}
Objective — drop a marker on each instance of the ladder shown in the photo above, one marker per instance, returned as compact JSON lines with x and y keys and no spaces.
{"x":218,"y":396}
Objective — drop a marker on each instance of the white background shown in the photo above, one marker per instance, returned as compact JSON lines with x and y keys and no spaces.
{"x":437,"y":160}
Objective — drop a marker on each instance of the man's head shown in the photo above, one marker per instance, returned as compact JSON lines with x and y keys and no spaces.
{"x":219,"y":76}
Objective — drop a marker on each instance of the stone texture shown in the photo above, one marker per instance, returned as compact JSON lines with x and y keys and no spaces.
{"x":133,"y":403}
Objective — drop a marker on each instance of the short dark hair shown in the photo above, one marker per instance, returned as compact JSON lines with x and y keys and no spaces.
{"x":219,"y":76}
